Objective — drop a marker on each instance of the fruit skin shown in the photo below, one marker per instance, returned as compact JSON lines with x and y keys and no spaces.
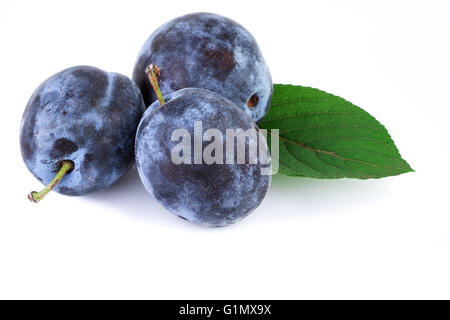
{"x":210,"y":195}
{"x":85,"y":115}
{"x":205,"y":50}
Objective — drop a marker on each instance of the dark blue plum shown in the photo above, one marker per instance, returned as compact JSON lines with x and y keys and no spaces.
{"x":205,"y":50}
{"x":211,"y":194}
{"x":87,"y":116}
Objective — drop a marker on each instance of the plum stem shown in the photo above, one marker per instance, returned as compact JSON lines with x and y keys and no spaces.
{"x":66,"y":166}
{"x":153,"y":73}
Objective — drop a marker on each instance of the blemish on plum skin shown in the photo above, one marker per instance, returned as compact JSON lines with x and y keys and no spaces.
{"x":63,"y":147}
{"x":69,"y":95}
{"x":87,"y":160}
{"x":224,"y":59}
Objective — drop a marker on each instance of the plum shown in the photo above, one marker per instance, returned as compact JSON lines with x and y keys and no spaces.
{"x":210,"y":191}
{"x":83,"y":122}
{"x":205,"y":50}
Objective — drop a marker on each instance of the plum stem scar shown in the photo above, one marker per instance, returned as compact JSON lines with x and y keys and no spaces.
{"x":66,"y":166}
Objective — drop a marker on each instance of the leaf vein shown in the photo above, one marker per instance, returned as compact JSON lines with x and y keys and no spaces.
{"x":333,"y":154}
{"x":350,"y":138}
{"x":307,"y":114}
{"x":332,"y":126}
{"x":299,"y":160}
{"x":367,"y":175}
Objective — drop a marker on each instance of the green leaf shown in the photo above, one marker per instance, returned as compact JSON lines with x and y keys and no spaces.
{"x":324,"y":136}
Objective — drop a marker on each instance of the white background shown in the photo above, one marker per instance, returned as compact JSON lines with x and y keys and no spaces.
{"x":387,"y":238}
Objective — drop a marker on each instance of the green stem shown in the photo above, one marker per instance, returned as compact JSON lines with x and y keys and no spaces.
{"x":152,"y":72}
{"x":66,"y":166}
